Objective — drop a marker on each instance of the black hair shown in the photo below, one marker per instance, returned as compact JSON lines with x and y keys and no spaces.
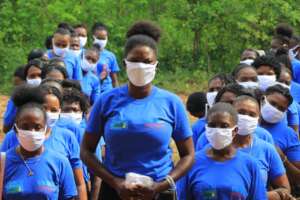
{"x":56,"y":60}
{"x":196,"y":102}
{"x":19,"y":72}
{"x":62,"y":31}
{"x":236,"y":71}
{"x":225,"y":78}
{"x":74,"y":34}
{"x":282,"y":57}
{"x":223,"y":108}
{"x":48,"y":42}
{"x":99,"y":26}
{"x":95,"y":48}
{"x":31,"y":107}
{"x":142,"y":33}
{"x":26,"y":93}
{"x":296,"y":39}
{"x":71,"y":84}
{"x":74,"y":95}
{"x":50,"y":90}
{"x":53,"y":83}
{"x":270,"y":61}
{"x":80,"y":26}
{"x":27,"y":97}
{"x":246,"y":98}
{"x":65,"y":25}
{"x":284,"y":29}
{"x":281,"y":90}
{"x":49,"y":68}
{"x":35,"y":53}
{"x":234,"y":88}
{"x":36,"y":63}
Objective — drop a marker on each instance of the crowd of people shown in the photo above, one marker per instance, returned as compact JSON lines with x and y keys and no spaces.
{"x":71,"y":132}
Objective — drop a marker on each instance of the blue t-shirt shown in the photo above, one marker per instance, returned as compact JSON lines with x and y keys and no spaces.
{"x":61,"y":140}
{"x":259,"y":132}
{"x":234,"y":179}
{"x":198,"y":128}
{"x":52,"y":177}
{"x":72,"y":65}
{"x":269,"y":161}
{"x":109,"y":59}
{"x":10,"y":114}
{"x":137,"y":132}
{"x":292,"y":115}
{"x":90,"y":85}
{"x":286,"y":139}
{"x":296,"y":70}
{"x":71,"y":126}
{"x":295,"y":91}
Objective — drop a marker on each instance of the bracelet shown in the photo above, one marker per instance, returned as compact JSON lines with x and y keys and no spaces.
{"x":171,"y":182}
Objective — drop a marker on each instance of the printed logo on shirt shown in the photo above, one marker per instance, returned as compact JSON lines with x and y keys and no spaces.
{"x":215,"y":194}
{"x":14,"y":187}
{"x":119,"y":125}
{"x":209,"y":194}
{"x":46,"y":186}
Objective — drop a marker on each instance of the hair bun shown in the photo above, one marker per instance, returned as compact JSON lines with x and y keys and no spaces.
{"x":284,"y":30}
{"x":147,"y":28}
{"x":24,"y":94}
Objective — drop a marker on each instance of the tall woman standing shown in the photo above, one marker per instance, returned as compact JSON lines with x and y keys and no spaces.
{"x":138,"y":121}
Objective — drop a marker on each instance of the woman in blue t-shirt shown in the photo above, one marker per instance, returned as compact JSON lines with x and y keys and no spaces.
{"x":138,"y":121}
{"x":274,"y":106}
{"x":90,"y":83}
{"x":33,"y":171}
{"x":269,"y":162}
{"x":221,"y":171}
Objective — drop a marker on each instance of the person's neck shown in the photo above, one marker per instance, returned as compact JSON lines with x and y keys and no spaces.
{"x":29,"y":154}
{"x":242,"y":141}
{"x":223,"y":154}
{"x":139,"y":92}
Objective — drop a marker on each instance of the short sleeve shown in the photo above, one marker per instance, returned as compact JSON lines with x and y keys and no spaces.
{"x":114,"y":67}
{"x":293,"y":147}
{"x":95,"y":121}
{"x":10,"y":114}
{"x":74,"y":154}
{"x":292,"y":115}
{"x":10,"y":141}
{"x":201,"y":142}
{"x":67,"y":184}
{"x":182,"y":129}
{"x":276,"y":166}
{"x":296,"y":70}
{"x":265,"y":135}
{"x":257,"y":188}
{"x":96,"y":90}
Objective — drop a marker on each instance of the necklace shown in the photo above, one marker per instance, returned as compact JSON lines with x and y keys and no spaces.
{"x":30,"y":172}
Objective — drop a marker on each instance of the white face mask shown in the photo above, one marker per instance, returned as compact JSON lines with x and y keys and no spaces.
{"x":34,"y":82}
{"x":140,"y":74}
{"x":52,"y":118}
{"x":101,"y":43}
{"x":247,"y":124}
{"x":75,"y":117}
{"x":210,"y":96}
{"x":31,"y":140}
{"x":247,"y":61}
{"x":266,"y":81}
{"x":76,"y":52}
{"x":219,"y":138}
{"x":82,"y":41}
{"x":87,"y":66}
{"x":292,"y":53}
{"x":249,"y":84}
{"x":271,"y":114}
{"x":283,"y":85}
{"x":60,"y":52}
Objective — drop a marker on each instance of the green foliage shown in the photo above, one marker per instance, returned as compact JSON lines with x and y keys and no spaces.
{"x":199,"y":37}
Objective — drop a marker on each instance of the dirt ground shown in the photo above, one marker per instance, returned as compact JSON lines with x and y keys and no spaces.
{"x":4,"y":99}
